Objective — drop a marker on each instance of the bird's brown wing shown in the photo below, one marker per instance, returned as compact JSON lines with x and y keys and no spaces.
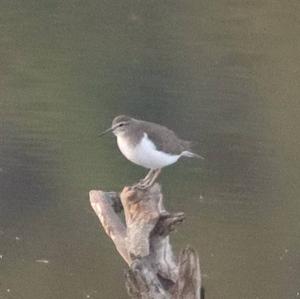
{"x":165,"y":139}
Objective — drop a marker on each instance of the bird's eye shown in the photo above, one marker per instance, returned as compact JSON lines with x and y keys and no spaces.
{"x":121,"y":125}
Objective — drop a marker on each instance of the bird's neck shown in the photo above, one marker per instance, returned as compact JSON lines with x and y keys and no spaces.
{"x":125,"y":139}
{"x":131,"y":139}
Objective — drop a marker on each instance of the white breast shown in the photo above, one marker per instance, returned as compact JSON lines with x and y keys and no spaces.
{"x":145,"y":153}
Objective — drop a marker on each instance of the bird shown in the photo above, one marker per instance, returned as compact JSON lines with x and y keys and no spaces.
{"x":149,"y":145}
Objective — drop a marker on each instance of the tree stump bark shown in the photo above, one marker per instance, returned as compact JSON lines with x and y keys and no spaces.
{"x":143,"y":242}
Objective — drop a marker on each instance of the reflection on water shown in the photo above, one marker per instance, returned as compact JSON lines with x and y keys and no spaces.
{"x":222,"y":74}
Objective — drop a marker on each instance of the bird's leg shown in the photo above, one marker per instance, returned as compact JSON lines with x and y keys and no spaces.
{"x":149,"y":174}
{"x":154,"y":177}
{"x":150,"y":181}
{"x":143,"y":181}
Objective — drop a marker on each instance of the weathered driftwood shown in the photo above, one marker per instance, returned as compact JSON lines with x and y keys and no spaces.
{"x":143,"y":242}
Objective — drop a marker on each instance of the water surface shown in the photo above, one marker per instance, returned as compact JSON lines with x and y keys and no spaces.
{"x":223,"y":74}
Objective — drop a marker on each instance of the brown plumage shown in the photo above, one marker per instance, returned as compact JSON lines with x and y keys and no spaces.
{"x":149,"y":145}
{"x":164,"y":139}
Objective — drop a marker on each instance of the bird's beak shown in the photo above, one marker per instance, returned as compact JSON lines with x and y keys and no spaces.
{"x":106,"y":131}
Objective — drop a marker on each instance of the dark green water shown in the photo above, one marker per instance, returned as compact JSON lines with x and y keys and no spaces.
{"x":222,"y":73}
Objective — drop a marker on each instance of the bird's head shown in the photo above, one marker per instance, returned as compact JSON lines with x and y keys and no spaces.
{"x":120,"y":125}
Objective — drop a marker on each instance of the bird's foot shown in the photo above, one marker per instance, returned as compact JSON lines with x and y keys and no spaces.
{"x":147,"y":177}
{"x":141,"y":181}
{"x":148,"y":181}
{"x":142,"y":185}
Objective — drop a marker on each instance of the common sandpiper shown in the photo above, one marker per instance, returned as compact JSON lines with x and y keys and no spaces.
{"x":149,"y":145}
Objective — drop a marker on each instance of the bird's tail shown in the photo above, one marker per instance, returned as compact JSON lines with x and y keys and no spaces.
{"x":191,"y":155}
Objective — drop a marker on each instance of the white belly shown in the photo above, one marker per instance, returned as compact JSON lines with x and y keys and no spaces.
{"x":145,"y":154}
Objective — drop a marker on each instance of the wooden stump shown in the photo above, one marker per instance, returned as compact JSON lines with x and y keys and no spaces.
{"x":143,"y":242}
